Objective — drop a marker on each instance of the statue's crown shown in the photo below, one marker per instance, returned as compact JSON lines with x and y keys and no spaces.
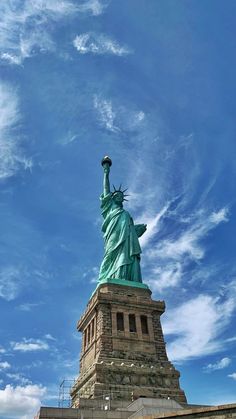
{"x":120,"y":190}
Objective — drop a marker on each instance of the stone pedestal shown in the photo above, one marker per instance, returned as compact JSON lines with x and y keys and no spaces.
{"x":123,"y":353}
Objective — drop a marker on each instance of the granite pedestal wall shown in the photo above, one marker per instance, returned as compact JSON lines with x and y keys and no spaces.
{"x":123,"y":352}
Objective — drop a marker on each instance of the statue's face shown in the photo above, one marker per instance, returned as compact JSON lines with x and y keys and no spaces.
{"x":118,"y":197}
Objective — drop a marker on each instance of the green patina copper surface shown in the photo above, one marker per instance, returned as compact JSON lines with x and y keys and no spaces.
{"x":121,"y":261}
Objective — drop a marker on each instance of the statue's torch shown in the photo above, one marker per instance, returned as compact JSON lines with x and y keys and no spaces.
{"x":106,"y":161}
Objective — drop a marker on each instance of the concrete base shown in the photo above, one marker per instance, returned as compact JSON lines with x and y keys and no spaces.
{"x":161,"y":408}
{"x":149,"y":406}
{"x":72,"y":413}
{"x":111,"y":409}
{"x":208,"y":412}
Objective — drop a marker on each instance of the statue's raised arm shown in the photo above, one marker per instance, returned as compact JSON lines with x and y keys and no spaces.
{"x":121,"y":261}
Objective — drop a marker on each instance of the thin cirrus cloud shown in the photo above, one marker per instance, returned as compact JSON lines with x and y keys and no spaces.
{"x":188,"y":243}
{"x":99,"y":44}
{"x":95,"y":7}
{"x":21,"y":401}
{"x":165,"y":276}
{"x":106,"y":113}
{"x":197,"y":325}
{"x":30,"y":345}
{"x":9,"y":282}
{"x":116,"y":118}
{"x":170,"y":256}
{"x":152,"y":225}
{"x":12,"y":157}
{"x":49,"y":337}
{"x":28,"y":306}
{"x":22,"y":27}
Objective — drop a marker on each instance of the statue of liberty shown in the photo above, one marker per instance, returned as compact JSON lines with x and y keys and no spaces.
{"x":122,"y":249}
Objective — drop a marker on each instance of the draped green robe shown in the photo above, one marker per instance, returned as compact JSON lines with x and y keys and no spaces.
{"x":122,"y":248}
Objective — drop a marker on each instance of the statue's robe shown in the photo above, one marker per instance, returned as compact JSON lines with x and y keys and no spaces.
{"x":122,"y":248}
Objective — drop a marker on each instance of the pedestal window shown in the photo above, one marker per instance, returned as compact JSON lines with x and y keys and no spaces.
{"x":144,"y":325}
{"x":132,"y":323}
{"x":92,"y":329}
{"x":120,"y":321}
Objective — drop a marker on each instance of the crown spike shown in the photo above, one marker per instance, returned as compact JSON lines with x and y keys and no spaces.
{"x":114,"y":187}
{"x":120,"y":187}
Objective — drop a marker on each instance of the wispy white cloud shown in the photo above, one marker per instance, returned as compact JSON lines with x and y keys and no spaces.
{"x":197,"y":325}
{"x":4,"y":365}
{"x":189,"y":242}
{"x":233,"y":375}
{"x":19,"y":378}
{"x":49,"y":337}
{"x":99,"y":44}
{"x":34,"y":364}
{"x":21,"y":401}
{"x":69,"y":138}
{"x":219,"y":365}
{"x":95,"y":7}
{"x":232,"y":339}
{"x":106,"y":113}
{"x":91,"y":274}
{"x":10,"y":282}
{"x":117,"y":118}
{"x":218,"y":217}
{"x":183,"y":143}
{"x":25,"y":27}
{"x":163,"y":277}
{"x":152,"y":225}
{"x":12,"y":158}
{"x":29,"y":345}
{"x":170,"y":255}
{"x":54,"y":8}
{"x":28,"y":306}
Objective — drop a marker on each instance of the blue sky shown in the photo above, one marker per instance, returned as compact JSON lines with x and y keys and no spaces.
{"x":152,"y":84}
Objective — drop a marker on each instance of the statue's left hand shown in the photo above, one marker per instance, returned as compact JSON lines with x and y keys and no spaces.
{"x":140,"y":229}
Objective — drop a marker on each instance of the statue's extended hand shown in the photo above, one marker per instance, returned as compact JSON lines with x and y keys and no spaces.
{"x":140,"y":229}
{"x":106,"y":167}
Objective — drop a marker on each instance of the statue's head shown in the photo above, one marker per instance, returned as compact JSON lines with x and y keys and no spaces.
{"x":118,"y":195}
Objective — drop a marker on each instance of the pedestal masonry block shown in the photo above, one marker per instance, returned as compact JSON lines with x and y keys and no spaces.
{"x":123,"y":349}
